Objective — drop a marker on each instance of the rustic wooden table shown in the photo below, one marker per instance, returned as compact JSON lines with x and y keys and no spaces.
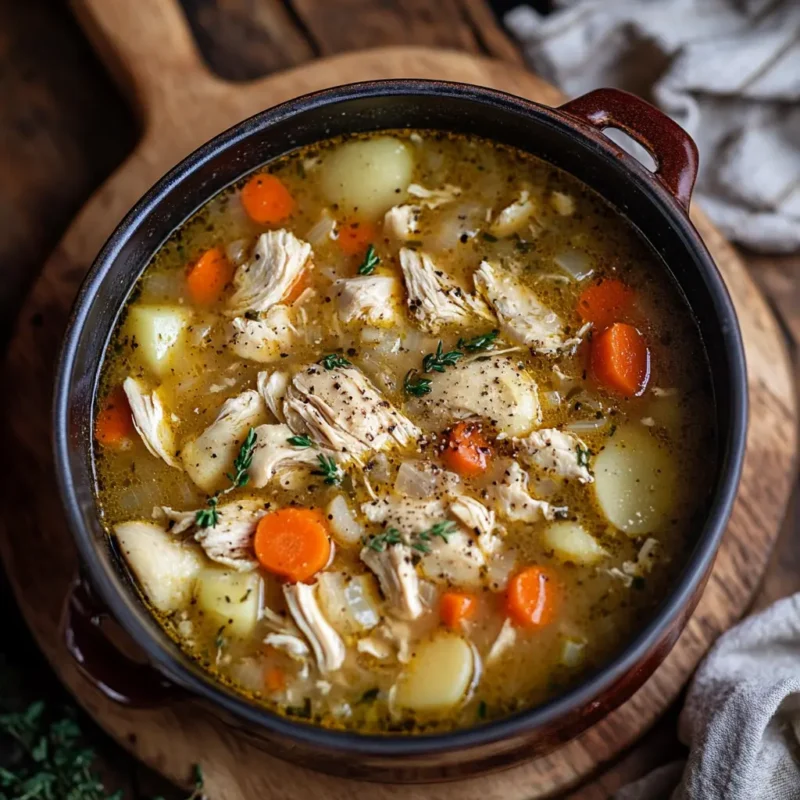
{"x":64,"y":127}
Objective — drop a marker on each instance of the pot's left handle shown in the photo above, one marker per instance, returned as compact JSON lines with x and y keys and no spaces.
{"x":674,"y":151}
{"x":117,"y":676}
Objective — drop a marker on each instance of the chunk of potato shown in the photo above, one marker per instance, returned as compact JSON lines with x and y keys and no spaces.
{"x":368,"y":176}
{"x":438,"y":677}
{"x":570,"y":542}
{"x":158,"y":332}
{"x":164,"y":566}
{"x":229,"y":599}
{"x":635,"y":480}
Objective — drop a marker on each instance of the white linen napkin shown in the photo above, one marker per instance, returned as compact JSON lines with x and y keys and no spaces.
{"x":727,"y":70}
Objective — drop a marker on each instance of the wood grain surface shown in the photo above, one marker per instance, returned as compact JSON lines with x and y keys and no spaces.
{"x":180,"y":103}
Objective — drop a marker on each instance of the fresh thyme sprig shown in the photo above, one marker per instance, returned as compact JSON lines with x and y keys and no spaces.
{"x":333,"y":360}
{"x":300,"y":441}
{"x":209,"y":517}
{"x":243,"y":461}
{"x":371,"y":260}
{"x":436,"y":362}
{"x":416,"y":386}
{"x":417,"y":541}
{"x":483,"y":342}
{"x":380,"y":541}
{"x":329,"y":469}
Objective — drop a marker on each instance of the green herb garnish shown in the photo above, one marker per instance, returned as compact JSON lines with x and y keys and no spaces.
{"x":333,"y":360}
{"x":416,"y":386}
{"x":329,"y":469}
{"x":371,"y":260}
{"x":583,"y":456}
{"x":483,"y":342}
{"x":436,"y":362}
{"x":243,"y":461}
{"x":380,"y":541}
{"x":300,"y":441}
{"x":208,"y":517}
{"x":442,"y":529}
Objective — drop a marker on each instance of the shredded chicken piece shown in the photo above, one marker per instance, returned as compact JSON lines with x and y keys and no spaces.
{"x":480,"y":520}
{"x":458,"y":561}
{"x":522,"y":317}
{"x":392,"y":637}
{"x":560,"y":454}
{"x":516,"y":504}
{"x":407,"y":514}
{"x":328,"y":647}
{"x":292,"y":645}
{"x":434,"y":298}
{"x":513,"y":217}
{"x":402,"y":222}
{"x":397,"y":576}
{"x":273,"y":454}
{"x":341,"y":410}
{"x":230,"y":541}
{"x":505,"y":640}
{"x":264,"y":339}
{"x":645,"y":559}
{"x":433,"y":198}
{"x":207,"y":458}
{"x":277,"y":263}
{"x":149,"y":421}
{"x":368,"y":298}
{"x":272,"y":387}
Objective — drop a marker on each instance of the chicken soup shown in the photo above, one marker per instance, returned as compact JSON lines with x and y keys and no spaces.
{"x":404,"y":432}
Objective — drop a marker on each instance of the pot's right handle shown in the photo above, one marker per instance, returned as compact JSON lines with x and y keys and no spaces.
{"x":674,"y":151}
{"x":119,"y":677}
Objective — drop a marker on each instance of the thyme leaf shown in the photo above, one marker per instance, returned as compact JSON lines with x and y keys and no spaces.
{"x":333,"y":360}
{"x":208,"y":517}
{"x":300,"y":441}
{"x":416,"y":386}
{"x":436,"y":362}
{"x":329,"y":470}
{"x":380,"y":541}
{"x":483,"y":342}
{"x":243,"y":461}
{"x":371,"y":260}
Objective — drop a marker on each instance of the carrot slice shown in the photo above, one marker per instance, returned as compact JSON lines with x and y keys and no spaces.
{"x":466,"y":450}
{"x":293,"y":543}
{"x":208,"y":276}
{"x":114,"y":425}
{"x":266,"y":200}
{"x":275,"y":679}
{"x":454,"y":607}
{"x":298,"y":287}
{"x":532,"y":598}
{"x":355,"y":237}
{"x":605,"y":302}
{"x":620,"y":360}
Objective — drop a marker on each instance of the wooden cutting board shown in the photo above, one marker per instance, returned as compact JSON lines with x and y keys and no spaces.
{"x":149,"y":48}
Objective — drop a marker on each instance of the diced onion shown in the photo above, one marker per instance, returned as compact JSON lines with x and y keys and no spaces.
{"x":349,"y":602}
{"x":552,"y":398}
{"x":414,"y":480}
{"x":573,"y":652}
{"x":575,"y":263}
{"x":236,"y":252}
{"x":344,"y":526}
{"x":322,"y":231}
{"x":587,"y":425}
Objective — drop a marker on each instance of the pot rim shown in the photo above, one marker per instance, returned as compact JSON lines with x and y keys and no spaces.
{"x":182,"y":669}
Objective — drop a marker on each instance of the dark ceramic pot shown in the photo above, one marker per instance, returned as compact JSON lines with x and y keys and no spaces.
{"x":569,"y":137}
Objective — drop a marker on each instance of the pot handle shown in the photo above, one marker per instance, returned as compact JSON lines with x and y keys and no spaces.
{"x":117,"y":676}
{"x":674,"y":151}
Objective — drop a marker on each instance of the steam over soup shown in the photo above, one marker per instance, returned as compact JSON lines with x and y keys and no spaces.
{"x":404,"y":432}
